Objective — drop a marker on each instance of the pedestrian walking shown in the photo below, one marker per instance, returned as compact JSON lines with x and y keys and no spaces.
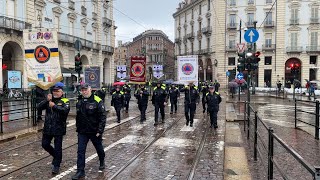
{"x":213,"y":100}
{"x":127,"y":96}
{"x":191,"y":98}
{"x":216,"y":85}
{"x":174,"y":93}
{"x":204,"y":91}
{"x":159,"y":99}
{"x":57,"y":110}
{"x":142,"y":96}
{"x":90,"y":123}
{"x":117,"y":101}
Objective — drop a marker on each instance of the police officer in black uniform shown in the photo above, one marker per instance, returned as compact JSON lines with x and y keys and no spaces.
{"x":204,"y":90}
{"x":213,"y":100}
{"x":127,"y":96}
{"x":117,"y":101}
{"x":191,"y":98}
{"x":101,"y":93}
{"x":142,"y":96}
{"x":174,"y":93}
{"x":159,"y":99}
{"x":57,"y":110}
{"x":90,"y":123}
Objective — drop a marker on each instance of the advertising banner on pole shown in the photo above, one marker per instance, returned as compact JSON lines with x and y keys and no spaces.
{"x":122,"y":71}
{"x":14,"y":79}
{"x":187,"y":69}
{"x":138,"y":70}
{"x":92,"y":77}
{"x":42,"y":57}
{"x":157,"y":71}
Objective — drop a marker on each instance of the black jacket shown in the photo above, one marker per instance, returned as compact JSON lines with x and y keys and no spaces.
{"x":204,"y":91}
{"x":91,"y":115}
{"x":56,"y":117}
{"x":174,"y":93}
{"x":213,"y":101}
{"x":142,"y":97}
{"x":159,"y":95}
{"x":40,"y":94}
{"x":101,"y":93}
{"x":117,"y":99}
{"x":191,"y":94}
{"x":127,"y":91}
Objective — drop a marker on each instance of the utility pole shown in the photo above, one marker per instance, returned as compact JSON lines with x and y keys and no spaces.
{"x":255,"y":71}
{"x":239,"y":87}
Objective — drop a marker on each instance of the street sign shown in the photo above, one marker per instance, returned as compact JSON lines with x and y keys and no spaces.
{"x":241,"y":47}
{"x":77,"y":45}
{"x":228,"y":73}
{"x":251,"y":35}
{"x":239,"y":76}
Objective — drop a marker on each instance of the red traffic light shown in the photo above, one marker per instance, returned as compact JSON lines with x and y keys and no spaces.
{"x":291,"y":65}
{"x":4,"y":66}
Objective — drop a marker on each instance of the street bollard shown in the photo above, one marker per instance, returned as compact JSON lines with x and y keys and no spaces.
{"x":317,"y":121}
{"x":317,"y":174}
{"x":255,"y":136}
{"x":295,"y":113}
{"x":270,"y":154}
{"x":248,"y":117}
{"x":245,"y":115}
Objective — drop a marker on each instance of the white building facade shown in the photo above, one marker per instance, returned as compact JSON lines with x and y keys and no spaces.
{"x":90,"y":22}
{"x":289,"y":34}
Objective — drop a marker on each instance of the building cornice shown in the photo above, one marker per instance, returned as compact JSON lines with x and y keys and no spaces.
{"x":186,"y":8}
{"x":294,"y":28}
{"x":40,"y":3}
{"x":72,"y":16}
{"x":84,"y":21}
{"x":57,"y":10}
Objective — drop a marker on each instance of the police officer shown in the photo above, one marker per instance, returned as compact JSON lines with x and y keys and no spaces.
{"x":216,"y":85}
{"x":40,"y":96}
{"x":191,"y":98}
{"x":90,"y":123}
{"x":159,"y":99}
{"x":117,"y":101}
{"x":213,"y":100}
{"x":57,"y":110}
{"x":101,"y":93}
{"x":142,"y":96}
{"x":204,"y":90}
{"x":174,"y":93}
{"x":127,"y":96}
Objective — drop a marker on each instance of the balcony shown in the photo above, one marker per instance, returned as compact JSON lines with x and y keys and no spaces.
{"x":83,"y":10}
{"x":205,"y":51}
{"x":207,"y":30}
{"x":268,"y":47}
{"x":96,"y":46}
{"x":94,"y":16}
{"x":294,"y":21}
{"x":314,"y":20}
{"x":107,"y":49}
{"x":313,"y":49}
{"x":294,"y":49}
{"x":57,"y":1}
{"x":232,"y":26}
{"x":106,"y":22}
{"x":250,"y":24}
{"x":190,"y":36}
{"x":13,"y":24}
{"x":177,"y":40}
{"x":269,"y":24}
{"x":231,"y":48}
{"x":71,"y":5}
{"x":66,"y":38}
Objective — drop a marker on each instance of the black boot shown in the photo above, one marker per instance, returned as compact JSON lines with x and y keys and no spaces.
{"x":55,"y":169}
{"x":102,"y":166}
{"x":78,"y":175}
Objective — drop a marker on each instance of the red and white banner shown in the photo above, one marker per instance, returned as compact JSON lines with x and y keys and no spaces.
{"x":138,"y":70}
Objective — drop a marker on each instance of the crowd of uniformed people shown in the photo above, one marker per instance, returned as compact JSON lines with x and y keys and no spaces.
{"x":91,"y":113}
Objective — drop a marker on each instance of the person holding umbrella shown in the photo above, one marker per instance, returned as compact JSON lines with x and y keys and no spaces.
{"x":117,"y":101}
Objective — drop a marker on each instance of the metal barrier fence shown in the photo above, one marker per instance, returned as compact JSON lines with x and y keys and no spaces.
{"x":254,"y":126}
{"x":315,"y":114}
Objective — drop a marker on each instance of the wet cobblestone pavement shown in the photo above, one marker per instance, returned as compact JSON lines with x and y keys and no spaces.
{"x":133,"y":150}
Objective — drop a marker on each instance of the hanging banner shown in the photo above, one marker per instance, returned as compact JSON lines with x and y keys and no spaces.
{"x":157,"y":71}
{"x":188,"y":69}
{"x":14,"y":79}
{"x":138,"y":70}
{"x":92,"y":77}
{"x":122,"y":71}
{"x":42,"y":57}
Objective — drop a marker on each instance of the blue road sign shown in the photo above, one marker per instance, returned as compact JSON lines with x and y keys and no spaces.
{"x":228,"y":73}
{"x":251,"y":36}
{"x":239,"y":76}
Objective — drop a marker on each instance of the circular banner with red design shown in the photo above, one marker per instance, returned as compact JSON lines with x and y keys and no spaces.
{"x":137,"y":69}
{"x":187,"y":69}
{"x":42,"y":54}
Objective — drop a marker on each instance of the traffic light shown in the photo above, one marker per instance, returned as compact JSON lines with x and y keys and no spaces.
{"x":78,"y":63}
{"x":241,"y":61}
{"x":257,"y":58}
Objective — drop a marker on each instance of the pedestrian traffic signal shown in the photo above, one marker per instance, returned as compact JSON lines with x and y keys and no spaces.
{"x":78,"y":63}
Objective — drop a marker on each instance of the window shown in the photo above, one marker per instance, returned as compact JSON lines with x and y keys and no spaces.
{"x":232,"y":42}
{"x":267,"y":60}
{"x":313,"y":59}
{"x":268,"y":1}
{"x":199,"y":45}
{"x":268,"y":43}
{"x":200,"y":9}
{"x":250,"y":18}
{"x":232,"y":2}
{"x":232,"y":20}
{"x":269,"y":18}
{"x":314,"y":39}
{"x":267,"y":77}
{"x":209,"y":5}
{"x":294,"y":39}
{"x":57,"y":22}
{"x":315,"y":12}
{"x":208,"y":43}
{"x":250,"y":2}
{"x":191,"y":13}
{"x":11,"y":8}
{"x":294,"y":16}
{"x":84,"y":32}
{"x":71,"y":27}
{"x":231,"y":61}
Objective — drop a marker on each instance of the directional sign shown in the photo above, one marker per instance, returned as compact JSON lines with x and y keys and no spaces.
{"x":228,"y":73}
{"x":239,"y":76}
{"x":251,"y":36}
{"x":241,"y":47}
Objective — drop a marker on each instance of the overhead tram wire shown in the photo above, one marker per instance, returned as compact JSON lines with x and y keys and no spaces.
{"x":268,"y":14}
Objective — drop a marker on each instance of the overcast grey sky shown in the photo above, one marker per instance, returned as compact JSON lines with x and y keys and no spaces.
{"x":150,"y":14}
